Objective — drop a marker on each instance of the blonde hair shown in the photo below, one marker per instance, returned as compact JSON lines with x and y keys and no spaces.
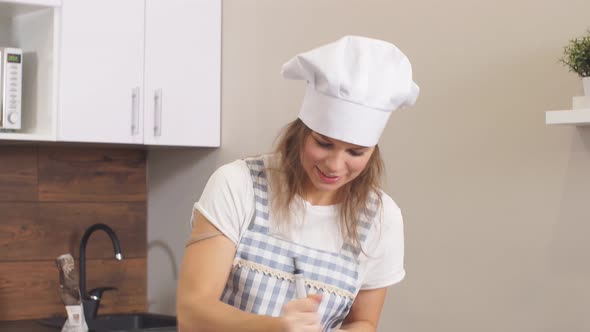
{"x":288,"y":176}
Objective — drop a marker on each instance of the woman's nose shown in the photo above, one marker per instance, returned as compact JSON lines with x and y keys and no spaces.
{"x":335,"y":162}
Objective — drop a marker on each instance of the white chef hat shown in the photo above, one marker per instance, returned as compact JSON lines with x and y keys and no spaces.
{"x":353,"y":85}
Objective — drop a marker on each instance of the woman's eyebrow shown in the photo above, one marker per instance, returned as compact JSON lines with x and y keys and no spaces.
{"x":353,"y":147}
{"x":359,"y":148}
{"x":323,"y":137}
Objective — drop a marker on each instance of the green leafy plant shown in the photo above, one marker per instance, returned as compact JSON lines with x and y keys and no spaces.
{"x":576,"y":55}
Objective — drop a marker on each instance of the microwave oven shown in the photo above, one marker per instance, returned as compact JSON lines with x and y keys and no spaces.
{"x":11,"y":72}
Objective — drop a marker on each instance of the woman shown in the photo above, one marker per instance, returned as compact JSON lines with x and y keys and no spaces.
{"x":313,"y":207}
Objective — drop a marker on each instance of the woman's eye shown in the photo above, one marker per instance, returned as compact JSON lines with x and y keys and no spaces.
{"x":355,"y":153}
{"x":322,"y":144}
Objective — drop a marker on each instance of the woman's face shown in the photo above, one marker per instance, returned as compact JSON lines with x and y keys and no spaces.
{"x":330,"y":163}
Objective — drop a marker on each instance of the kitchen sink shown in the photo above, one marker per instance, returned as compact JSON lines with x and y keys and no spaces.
{"x":120,"y":322}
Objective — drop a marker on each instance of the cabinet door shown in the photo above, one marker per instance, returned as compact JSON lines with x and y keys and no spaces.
{"x":101,"y":71}
{"x":182,"y":72}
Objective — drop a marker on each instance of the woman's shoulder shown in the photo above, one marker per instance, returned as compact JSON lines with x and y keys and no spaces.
{"x":234,"y":165}
{"x":241,"y":166}
{"x":265,"y":160}
{"x":389,"y":212}
{"x":388,"y":226}
{"x":231,"y":170}
{"x":239,"y":169}
{"x":387,"y":202}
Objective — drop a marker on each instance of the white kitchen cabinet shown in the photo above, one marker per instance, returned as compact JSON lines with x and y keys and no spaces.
{"x":140,"y":71}
{"x":182,"y":72}
{"x":101,"y":71}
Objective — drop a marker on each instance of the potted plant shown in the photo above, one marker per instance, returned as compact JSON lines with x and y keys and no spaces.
{"x":576,"y":55}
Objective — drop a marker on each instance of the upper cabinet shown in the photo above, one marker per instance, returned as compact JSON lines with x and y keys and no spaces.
{"x":111,"y":71}
{"x":101,"y":71}
{"x":140,"y":71}
{"x":182,"y":72}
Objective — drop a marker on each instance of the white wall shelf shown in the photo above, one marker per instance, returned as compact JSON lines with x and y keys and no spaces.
{"x":579,"y":117}
{"x":32,"y":25}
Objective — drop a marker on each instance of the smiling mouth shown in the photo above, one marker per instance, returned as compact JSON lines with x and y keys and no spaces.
{"x":326,"y":176}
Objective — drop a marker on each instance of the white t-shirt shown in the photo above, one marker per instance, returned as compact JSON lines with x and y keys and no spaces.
{"x":228,"y":203}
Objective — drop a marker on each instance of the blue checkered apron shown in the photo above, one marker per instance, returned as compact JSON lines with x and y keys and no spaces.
{"x":261,"y":279}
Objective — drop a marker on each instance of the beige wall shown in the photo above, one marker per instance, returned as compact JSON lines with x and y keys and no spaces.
{"x":495,"y":202}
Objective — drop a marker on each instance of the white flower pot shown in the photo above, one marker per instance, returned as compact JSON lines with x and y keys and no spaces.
{"x":586,"y":83}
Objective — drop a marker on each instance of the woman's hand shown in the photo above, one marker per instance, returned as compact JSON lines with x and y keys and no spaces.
{"x":301,"y":315}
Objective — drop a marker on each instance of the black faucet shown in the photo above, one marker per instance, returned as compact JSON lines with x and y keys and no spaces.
{"x":91,"y":300}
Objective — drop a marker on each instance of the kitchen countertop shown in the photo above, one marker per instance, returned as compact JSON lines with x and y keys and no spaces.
{"x":24,"y":325}
{"x":34,"y":326}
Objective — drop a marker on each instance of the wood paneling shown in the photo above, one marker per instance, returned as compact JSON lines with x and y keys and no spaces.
{"x":18,"y":173}
{"x":43,"y":231}
{"x":30,"y":290}
{"x":92,"y":175}
{"x":48,"y":197}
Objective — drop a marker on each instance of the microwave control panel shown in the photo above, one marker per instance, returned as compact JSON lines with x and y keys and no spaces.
{"x":11,"y":72}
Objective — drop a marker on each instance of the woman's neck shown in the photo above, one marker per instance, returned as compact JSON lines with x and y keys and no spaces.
{"x":317,"y":197}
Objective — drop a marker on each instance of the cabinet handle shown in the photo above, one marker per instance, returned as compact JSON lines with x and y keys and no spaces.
{"x":134,"y":111}
{"x":158,"y":112}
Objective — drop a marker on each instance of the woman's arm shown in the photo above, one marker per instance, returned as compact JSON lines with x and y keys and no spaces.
{"x":205,"y":268}
{"x":365,"y":311}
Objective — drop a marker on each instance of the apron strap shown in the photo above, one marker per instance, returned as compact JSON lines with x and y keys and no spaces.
{"x":260,"y":220}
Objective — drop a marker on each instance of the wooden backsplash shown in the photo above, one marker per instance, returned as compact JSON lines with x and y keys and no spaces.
{"x":48,"y":197}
